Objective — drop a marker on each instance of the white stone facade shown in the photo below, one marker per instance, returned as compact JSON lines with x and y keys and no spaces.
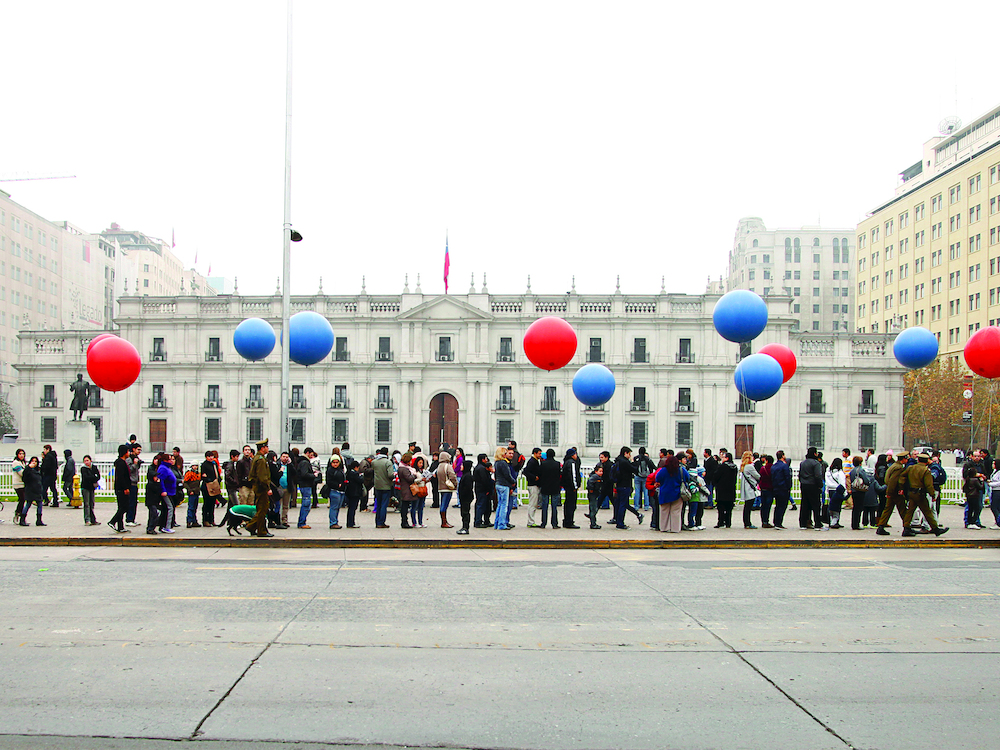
{"x":396,"y":354}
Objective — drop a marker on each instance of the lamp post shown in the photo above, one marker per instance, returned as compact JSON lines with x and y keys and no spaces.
{"x":286,"y":248}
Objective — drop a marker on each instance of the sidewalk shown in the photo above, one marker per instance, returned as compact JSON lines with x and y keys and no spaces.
{"x":64,"y":526}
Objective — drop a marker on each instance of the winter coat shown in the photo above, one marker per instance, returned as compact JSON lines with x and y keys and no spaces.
{"x":749,"y":483}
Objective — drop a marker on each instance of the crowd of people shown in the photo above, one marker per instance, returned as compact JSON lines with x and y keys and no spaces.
{"x":266,"y":489}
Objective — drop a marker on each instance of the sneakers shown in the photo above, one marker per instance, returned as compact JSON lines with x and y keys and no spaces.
{"x":462,"y":531}
{"x":167,"y":531}
{"x":133,"y":523}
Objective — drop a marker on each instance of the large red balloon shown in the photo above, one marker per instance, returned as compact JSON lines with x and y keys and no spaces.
{"x":94,"y":340}
{"x":113,"y":364}
{"x":785,"y":357}
{"x":982,"y":352}
{"x":550,"y":343}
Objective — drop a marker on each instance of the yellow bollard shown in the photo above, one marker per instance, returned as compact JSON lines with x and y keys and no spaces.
{"x":76,"y":501}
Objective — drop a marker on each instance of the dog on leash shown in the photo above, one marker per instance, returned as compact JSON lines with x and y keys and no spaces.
{"x":238,"y":515}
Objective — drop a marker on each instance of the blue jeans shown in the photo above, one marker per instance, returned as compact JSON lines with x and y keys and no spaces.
{"x":417,"y":510}
{"x":546,"y":501}
{"x":503,"y":509}
{"x":382,"y":498}
{"x":192,"y":507}
{"x":445,"y":501}
{"x":641,"y":497}
{"x":621,"y":501}
{"x":305,"y":499}
{"x":710,"y":503}
{"x":336,"y":500}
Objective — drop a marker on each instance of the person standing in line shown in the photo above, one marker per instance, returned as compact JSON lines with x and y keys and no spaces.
{"x":433,"y":482}
{"x":623,"y":487}
{"x":516,"y":467}
{"x":863,"y":486}
{"x":870,"y":460}
{"x":244,"y":495}
{"x":211,"y":487}
{"x":49,"y":469}
{"x":994,"y":484}
{"x":569,"y":479}
{"x":940,"y":476}
{"x":484,"y":487}
{"x":531,"y":476}
{"x":286,"y":478}
{"x":422,"y":486}
{"x":595,"y":494}
{"x":549,"y":486}
{"x":306,"y":480}
{"x":670,"y":478}
{"x":336,"y":484}
{"x":68,"y":472}
{"x":123,"y":486}
{"x":383,"y":471}
{"x":232,"y":480}
{"x":653,"y":489}
{"x":17,"y":467}
{"x":90,"y":475}
{"x":466,"y":495}
{"x":836,"y":487}
{"x":33,"y":489}
{"x":152,"y":498}
{"x":726,"y":474}
{"x":260,"y":490}
{"x":505,"y":482}
{"x":177,"y":466}
{"x":749,"y":487}
{"x":367,"y":476}
{"x":355,"y":489}
{"x":710,"y":462}
{"x":134,"y":467}
{"x":192,"y":486}
{"x":447,"y":482}
{"x":766,"y":491}
{"x":781,"y":486}
{"x":407,"y":477}
{"x":168,"y":488}
{"x":642,"y":467}
{"x":881,"y":467}
{"x":811,"y":485}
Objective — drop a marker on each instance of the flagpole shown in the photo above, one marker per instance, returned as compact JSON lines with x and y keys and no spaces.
{"x":286,"y":253}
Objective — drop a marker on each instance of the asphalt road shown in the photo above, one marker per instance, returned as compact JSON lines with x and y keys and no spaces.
{"x":127,"y":648}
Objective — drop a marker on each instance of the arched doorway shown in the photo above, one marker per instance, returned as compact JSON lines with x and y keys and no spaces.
{"x":444,"y":422}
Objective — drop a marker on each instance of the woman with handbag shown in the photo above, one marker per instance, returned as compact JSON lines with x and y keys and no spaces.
{"x":419,"y":489}
{"x":336,"y":484}
{"x":447,"y":484}
{"x":17,"y":467}
{"x":864,"y":495}
{"x":836,"y":487}
{"x":749,"y":488}
{"x":407,"y":479}
{"x":673,"y":480}
{"x":211,"y":488}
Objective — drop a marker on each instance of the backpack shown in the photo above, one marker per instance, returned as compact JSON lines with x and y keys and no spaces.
{"x":614,"y":472}
{"x":858,"y":484}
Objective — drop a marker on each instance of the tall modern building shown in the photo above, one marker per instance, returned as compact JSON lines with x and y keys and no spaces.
{"x":930,"y":256}
{"x":450,"y":368}
{"x":811,"y":265}
{"x":151,"y":267}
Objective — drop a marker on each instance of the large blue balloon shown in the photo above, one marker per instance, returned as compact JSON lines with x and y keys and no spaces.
{"x":593,"y":385}
{"x":915,"y":347}
{"x":740,"y":316}
{"x":254,"y":339}
{"x":310,"y":338}
{"x":758,"y":377}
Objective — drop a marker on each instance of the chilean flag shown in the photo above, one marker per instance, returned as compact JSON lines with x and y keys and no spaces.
{"x":447,"y":264}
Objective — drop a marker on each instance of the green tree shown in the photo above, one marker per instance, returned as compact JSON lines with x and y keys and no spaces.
{"x":934,"y":403}
{"x":7,"y":421}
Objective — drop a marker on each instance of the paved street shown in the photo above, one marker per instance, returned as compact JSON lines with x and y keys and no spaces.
{"x":500,"y":648}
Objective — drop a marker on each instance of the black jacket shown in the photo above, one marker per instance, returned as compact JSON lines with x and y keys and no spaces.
{"x":89,"y":477}
{"x":549,"y":476}
{"x":33,"y":483}
{"x":625,"y":472}
{"x":336,"y":481}
{"x":49,"y":466}
{"x":122,"y":480}
{"x":465,"y":485}
{"x":531,"y":468}
{"x":355,"y":485}
{"x":711,"y":466}
{"x":482,"y":479}
{"x":811,"y":473}
{"x":725,"y":481}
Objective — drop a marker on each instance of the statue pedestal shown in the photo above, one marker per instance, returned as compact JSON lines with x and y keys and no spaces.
{"x":79,"y":438}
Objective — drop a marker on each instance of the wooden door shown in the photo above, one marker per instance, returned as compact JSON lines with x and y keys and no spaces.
{"x":743,"y":441}
{"x":157,"y":435}
{"x":443,"y":422}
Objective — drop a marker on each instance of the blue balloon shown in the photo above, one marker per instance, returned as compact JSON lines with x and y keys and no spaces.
{"x":915,"y":347}
{"x":593,"y":385}
{"x":758,"y":377}
{"x":310,"y":338}
{"x":740,"y":316}
{"x":254,"y":339}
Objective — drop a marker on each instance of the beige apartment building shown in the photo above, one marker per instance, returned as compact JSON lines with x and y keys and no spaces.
{"x":931,"y":255}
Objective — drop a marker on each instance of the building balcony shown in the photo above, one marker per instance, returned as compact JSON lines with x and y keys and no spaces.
{"x":638,"y":406}
{"x":157,"y":403}
{"x":383,"y":404}
{"x":503,"y":405}
{"x":48,"y":403}
{"x":212,"y":403}
{"x":599,"y":407}
{"x":254,"y":403}
{"x":864,"y":408}
{"x":640,"y":358}
{"x":96,"y":403}
{"x":213,"y":356}
{"x":595,"y":356}
{"x":160,"y":356}
{"x":341,"y":356}
{"x":687,"y":406}
{"x":684,"y":358}
{"x":383,"y":356}
{"x":746,"y":407}
{"x":505,"y":356}
{"x":549,"y":405}
{"x":297,"y":404}
{"x":339,"y":405}
{"x":814,"y":407}
{"x":444,"y":356}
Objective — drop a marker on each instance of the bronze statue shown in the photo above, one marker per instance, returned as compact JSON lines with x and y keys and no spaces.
{"x":81,"y":397}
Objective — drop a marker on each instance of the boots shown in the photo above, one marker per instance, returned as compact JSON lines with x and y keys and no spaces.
{"x":444,"y":522}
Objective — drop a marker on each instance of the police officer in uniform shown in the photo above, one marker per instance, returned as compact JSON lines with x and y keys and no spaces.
{"x":260,"y":482}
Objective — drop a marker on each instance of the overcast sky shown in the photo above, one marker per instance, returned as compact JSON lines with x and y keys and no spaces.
{"x":550,"y":138}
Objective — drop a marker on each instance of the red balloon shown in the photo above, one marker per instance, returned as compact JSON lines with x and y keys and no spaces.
{"x":113,"y":364}
{"x":550,"y":343}
{"x":785,"y":357}
{"x":982,"y":352}
{"x":94,"y":340}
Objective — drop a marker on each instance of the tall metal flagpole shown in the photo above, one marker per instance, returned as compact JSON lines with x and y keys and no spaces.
{"x":286,"y":252}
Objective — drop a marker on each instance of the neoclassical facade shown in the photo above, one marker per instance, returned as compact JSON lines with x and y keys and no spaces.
{"x":450,"y":367}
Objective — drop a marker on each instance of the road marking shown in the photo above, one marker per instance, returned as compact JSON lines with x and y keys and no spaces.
{"x":227,"y":598}
{"x":880,"y":596}
{"x":800,"y":567}
{"x":280,"y":567}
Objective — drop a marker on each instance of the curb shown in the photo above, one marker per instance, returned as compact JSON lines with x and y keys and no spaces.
{"x":276,"y":542}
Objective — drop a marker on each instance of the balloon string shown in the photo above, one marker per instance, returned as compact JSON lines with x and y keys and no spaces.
{"x":923,"y":412}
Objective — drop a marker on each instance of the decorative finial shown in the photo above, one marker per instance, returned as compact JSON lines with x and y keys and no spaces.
{"x":472,"y":283}
{"x":362,"y":283}
{"x":277,"y":289}
{"x":663,"y":285}
{"x":417,"y":289}
{"x":618,"y":284}
{"x":320,"y":285}
{"x":485,"y":290}
{"x":236,"y":285}
{"x":573,"y":287}
{"x":406,"y":283}
{"x":529,"y":284}
{"x":182,"y":285}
